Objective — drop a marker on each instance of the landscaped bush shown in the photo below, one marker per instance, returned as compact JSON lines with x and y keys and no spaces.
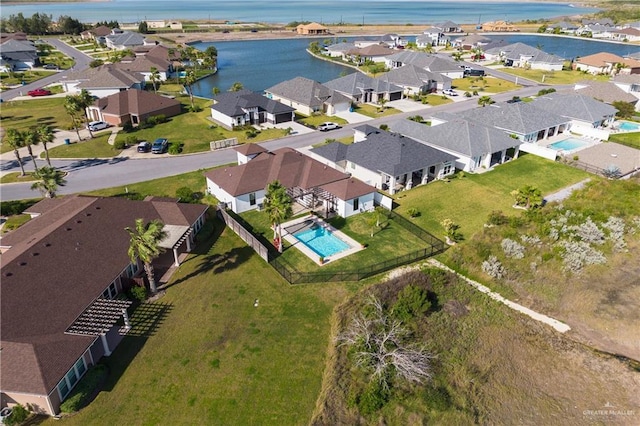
{"x":119,"y":144}
{"x":413,"y":212}
{"x":493,"y":267}
{"x":138,"y":293}
{"x":84,"y":390}
{"x":512,"y":248}
{"x":412,"y":302}
{"x":10,"y":208}
{"x":127,"y":127}
{"x":497,"y":218}
{"x":18,"y":415}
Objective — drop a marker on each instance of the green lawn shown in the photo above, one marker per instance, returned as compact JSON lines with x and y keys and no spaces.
{"x":629,"y":139}
{"x":97,"y":147}
{"x":469,"y":200}
{"x":373,"y":111}
{"x":27,"y":77}
{"x":484,"y":84}
{"x":195,"y":131}
{"x":315,"y":120}
{"x":214,"y":358}
{"x":554,"y":77}
{"x":15,"y":221}
{"x":435,"y":100}
{"x":15,"y":177}
{"x":389,"y":240}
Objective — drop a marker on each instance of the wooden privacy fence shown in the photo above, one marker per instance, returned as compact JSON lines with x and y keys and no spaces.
{"x":245,"y":234}
{"x":224,"y":143}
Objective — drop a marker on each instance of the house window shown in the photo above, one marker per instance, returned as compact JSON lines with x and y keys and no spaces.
{"x":252,"y":199}
{"x":110,"y":292}
{"x":63,"y":388}
{"x":71,"y":378}
{"x":356,"y":204}
{"x":353,"y":165}
{"x":447,"y":169}
{"x":80,"y":367}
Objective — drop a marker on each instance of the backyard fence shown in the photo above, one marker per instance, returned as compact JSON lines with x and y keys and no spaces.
{"x":432,"y":247}
{"x":245,"y":234}
{"x":224,"y":143}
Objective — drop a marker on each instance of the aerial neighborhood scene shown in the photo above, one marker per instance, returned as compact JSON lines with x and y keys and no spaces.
{"x":323,"y":213}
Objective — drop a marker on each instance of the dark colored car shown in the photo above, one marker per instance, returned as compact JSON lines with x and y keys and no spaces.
{"x":144,"y":146}
{"x":160,"y":146}
{"x":39,"y":92}
{"x":473,"y":73}
{"x":50,"y":66}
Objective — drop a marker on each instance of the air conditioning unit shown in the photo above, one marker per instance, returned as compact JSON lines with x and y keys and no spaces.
{"x":259,"y":206}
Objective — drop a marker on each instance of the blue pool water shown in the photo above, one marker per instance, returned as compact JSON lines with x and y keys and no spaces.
{"x":321,"y":241}
{"x":568,"y":144}
{"x":629,"y":127}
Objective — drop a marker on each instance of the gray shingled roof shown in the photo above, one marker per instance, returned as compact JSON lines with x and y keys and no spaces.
{"x":341,"y":47}
{"x":628,"y":78}
{"x":605,"y":91}
{"x":12,"y":45}
{"x":356,"y":83}
{"x":429,"y":62}
{"x":234,"y":104}
{"x":391,"y":153}
{"x":411,"y":75}
{"x":520,"y":117}
{"x":307,"y":92}
{"x":574,"y":106}
{"x":126,"y":39}
{"x":106,"y":76}
{"x":468,"y":138}
{"x":334,"y":151}
{"x":515,"y":50}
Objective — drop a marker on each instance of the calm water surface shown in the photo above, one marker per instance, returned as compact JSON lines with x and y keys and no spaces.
{"x":284,"y":11}
{"x":260,"y":64}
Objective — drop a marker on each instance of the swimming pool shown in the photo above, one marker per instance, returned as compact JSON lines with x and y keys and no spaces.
{"x":568,"y":144}
{"x":628,"y":126}
{"x":321,"y":241}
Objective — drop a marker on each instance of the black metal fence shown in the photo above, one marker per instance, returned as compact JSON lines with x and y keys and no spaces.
{"x":433,"y":247}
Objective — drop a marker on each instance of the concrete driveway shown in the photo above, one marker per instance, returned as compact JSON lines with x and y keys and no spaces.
{"x":406,"y":105}
{"x":352,"y":117}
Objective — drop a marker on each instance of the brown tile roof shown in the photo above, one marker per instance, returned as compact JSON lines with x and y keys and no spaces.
{"x":133,"y":101}
{"x":348,"y":189}
{"x":373,"y":50}
{"x":163,"y":52}
{"x":601,"y":59}
{"x":72,"y":254}
{"x":106,"y":76}
{"x":250,"y":149}
{"x":605,"y":91}
{"x":144,"y":64}
{"x":290,"y":167}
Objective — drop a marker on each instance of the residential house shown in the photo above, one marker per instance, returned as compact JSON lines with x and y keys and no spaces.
{"x":393,"y":41}
{"x":132,"y":106}
{"x":629,"y":84}
{"x":499,"y":26}
{"x":98,"y":33}
{"x":605,"y":22}
{"x":233,"y":109}
{"x":432,"y":37}
{"x":635,"y":56}
{"x":471,"y":41}
{"x":523,"y":56}
{"x":523,"y":120}
{"x":608,"y":91}
{"x":124,"y":40}
{"x":474,"y":144}
{"x":61,"y":274}
{"x":312,"y":29}
{"x":308,"y":182}
{"x":339,"y":50}
{"x":19,"y":54}
{"x":156,"y":23}
{"x":449,"y":27}
{"x":18,"y":35}
{"x":389,"y":161}
{"x":145,"y":66}
{"x":417,"y":81}
{"x":433,"y":63}
{"x":308,"y":96}
{"x":360,"y":88}
{"x":607,"y":63}
{"x":103,"y":81}
{"x":373,"y":53}
{"x":626,"y":34}
{"x":564,"y":27}
{"x":584,"y":112}
{"x":596,"y":31}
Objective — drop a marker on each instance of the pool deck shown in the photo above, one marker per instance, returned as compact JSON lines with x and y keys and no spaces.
{"x":610,"y":153}
{"x":353,"y":244}
{"x":589,"y":142}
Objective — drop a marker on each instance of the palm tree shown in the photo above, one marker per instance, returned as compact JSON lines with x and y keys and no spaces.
{"x":154,"y":77}
{"x":15,"y":139}
{"x":30,"y":138}
{"x":457,"y":56}
{"x":45,"y":135}
{"x":215,"y":90}
{"x":485,"y":100}
{"x":71,"y":107}
{"x":189,"y":80}
{"x":236,"y":87}
{"x":277,"y":205}
{"x":85,"y":100}
{"x":145,"y":245}
{"x":49,"y":179}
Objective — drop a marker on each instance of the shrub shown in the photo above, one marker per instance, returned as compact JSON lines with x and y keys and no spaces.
{"x":251,"y":133}
{"x":175,"y":148}
{"x":127,"y":127}
{"x":96,"y":63}
{"x":475,"y":93}
{"x":612,"y":172}
{"x":616,"y":227}
{"x":451,"y":230}
{"x":373,"y":398}
{"x":18,"y":415}
{"x":131,"y":140}
{"x":493,"y":267}
{"x":384,"y":127}
{"x":577,"y":254}
{"x":138,"y":292}
{"x":185,"y":194}
{"x":119,"y":144}
{"x":10,"y":208}
{"x":467,"y":94}
{"x":512,"y":248}
{"x":546,"y":91}
{"x":497,"y":218}
{"x":412,"y":302}
{"x":413,"y":212}
{"x":589,"y":232}
{"x":84,"y":390}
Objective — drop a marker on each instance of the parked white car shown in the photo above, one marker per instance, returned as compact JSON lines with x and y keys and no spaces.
{"x":97,"y":125}
{"x":449,"y":92}
{"x":328,"y":126}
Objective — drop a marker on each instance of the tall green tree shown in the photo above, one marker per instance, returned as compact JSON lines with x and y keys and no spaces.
{"x":45,"y":136}
{"x":30,"y":138}
{"x":236,"y":87}
{"x":189,"y":80}
{"x":15,"y":139}
{"x":49,"y":179}
{"x":72,"y":108}
{"x":278,"y":206}
{"x":145,"y":245}
{"x":155,"y":78}
{"x":485,"y":100}
{"x":84,"y":101}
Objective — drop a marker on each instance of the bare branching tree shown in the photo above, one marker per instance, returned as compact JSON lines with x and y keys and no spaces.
{"x":380,"y":346}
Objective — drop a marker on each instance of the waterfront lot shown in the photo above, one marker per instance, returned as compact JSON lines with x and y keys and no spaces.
{"x":554,"y":77}
{"x":483,"y":84}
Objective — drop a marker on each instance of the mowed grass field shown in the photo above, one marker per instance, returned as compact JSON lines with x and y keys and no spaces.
{"x":469,"y":200}
{"x":214,"y":358}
